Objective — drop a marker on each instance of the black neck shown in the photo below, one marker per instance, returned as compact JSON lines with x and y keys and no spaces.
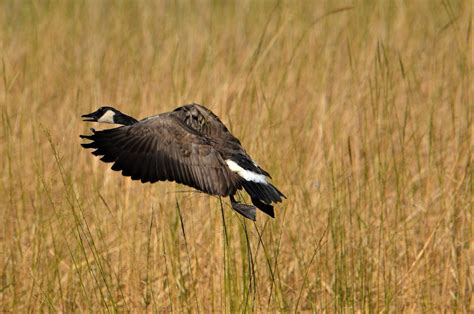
{"x":124,"y":119}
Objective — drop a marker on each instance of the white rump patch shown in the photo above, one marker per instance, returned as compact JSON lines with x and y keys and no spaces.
{"x":107,"y":117}
{"x":246,"y":174}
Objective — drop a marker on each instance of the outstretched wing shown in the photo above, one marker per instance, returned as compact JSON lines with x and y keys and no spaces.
{"x":164,"y":148}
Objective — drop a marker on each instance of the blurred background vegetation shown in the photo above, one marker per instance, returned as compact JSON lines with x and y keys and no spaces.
{"x":360,"y":110}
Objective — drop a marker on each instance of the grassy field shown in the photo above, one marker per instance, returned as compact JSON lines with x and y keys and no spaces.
{"x":360,"y":110}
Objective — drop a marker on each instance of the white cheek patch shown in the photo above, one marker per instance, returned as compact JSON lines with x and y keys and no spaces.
{"x":107,"y":117}
{"x":246,"y":174}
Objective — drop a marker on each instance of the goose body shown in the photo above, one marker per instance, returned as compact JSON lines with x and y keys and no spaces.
{"x":189,"y":145}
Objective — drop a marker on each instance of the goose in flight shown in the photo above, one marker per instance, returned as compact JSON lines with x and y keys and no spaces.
{"x":189,"y":145}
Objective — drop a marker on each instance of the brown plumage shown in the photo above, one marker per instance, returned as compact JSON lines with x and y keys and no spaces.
{"x":189,"y":145}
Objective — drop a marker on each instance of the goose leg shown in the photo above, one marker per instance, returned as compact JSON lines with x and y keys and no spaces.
{"x":248,"y":211}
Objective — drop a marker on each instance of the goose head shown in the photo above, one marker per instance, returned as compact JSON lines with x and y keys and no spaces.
{"x":109,"y":115}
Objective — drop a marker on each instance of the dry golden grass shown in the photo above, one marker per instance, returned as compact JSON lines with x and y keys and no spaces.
{"x":362,"y":112}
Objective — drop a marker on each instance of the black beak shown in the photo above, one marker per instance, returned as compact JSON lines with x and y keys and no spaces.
{"x":94,"y":116}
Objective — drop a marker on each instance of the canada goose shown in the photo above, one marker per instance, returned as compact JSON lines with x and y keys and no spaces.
{"x":189,"y":145}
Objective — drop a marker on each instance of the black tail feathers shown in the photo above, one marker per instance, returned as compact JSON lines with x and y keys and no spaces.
{"x":263,"y":195}
{"x":267,"y":209}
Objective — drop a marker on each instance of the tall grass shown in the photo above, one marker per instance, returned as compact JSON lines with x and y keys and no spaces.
{"x":362,"y":112}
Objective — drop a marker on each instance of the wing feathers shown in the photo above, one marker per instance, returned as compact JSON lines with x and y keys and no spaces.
{"x":144,"y":170}
{"x":160,"y":174}
{"x":152,"y":170}
{"x":152,"y":150}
